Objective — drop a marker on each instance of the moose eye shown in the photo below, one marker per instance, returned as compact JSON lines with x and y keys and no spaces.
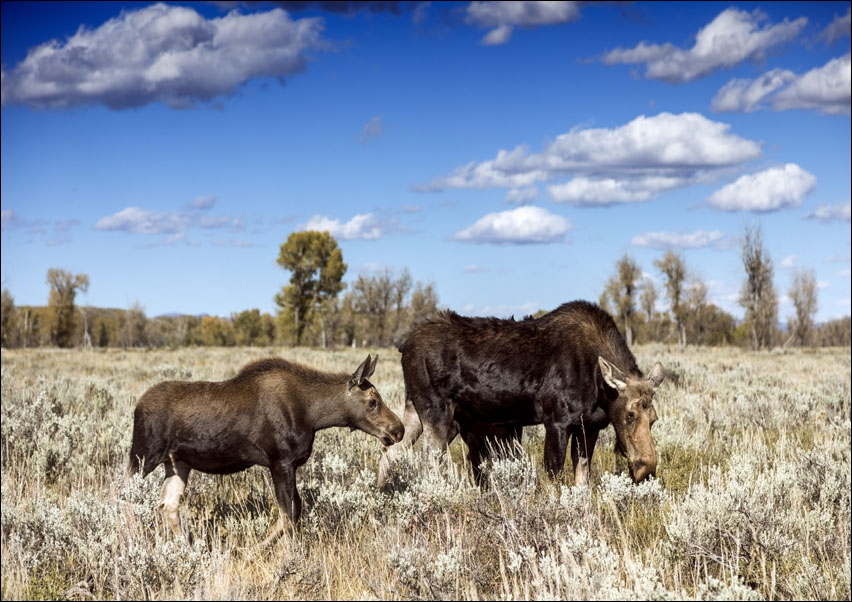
{"x":372,"y":403}
{"x":631,"y":416}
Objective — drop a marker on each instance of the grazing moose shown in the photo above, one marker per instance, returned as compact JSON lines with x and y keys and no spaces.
{"x":266,"y":415}
{"x":486,"y":378}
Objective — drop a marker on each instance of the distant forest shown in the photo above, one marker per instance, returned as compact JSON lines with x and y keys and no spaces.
{"x":379,"y":310}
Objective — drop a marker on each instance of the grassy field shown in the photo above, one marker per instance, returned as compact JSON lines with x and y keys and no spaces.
{"x":751,"y":499}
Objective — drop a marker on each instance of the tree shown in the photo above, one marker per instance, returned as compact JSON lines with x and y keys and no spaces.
{"x":9,"y":331}
{"x":63,"y":290}
{"x":620,"y":293}
{"x":316,"y":266}
{"x":424,"y":302}
{"x":133,"y":327}
{"x":803,"y":294}
{"x":253,"y":329}
{"x":673,"y":268}
{"x":758,"y":292}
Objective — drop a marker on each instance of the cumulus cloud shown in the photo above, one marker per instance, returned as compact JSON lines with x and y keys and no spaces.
{"x":161,"y":53}
{"x":364,"y":226}
{"x":832,"y":213}
{"x":503,"y":17}
{"x":628,"y":164}
{"x":732,"y":37}
{"x":677,"y":240}
{"x":769,"y":190}
{"x":827,"y":89}
{"x":524,"y":225}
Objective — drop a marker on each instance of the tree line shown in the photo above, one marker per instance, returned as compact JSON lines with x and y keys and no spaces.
{"x":689,"y":318}
{"x":379,"y":309}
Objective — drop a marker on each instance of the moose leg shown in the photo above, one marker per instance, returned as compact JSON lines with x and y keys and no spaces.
{"x":289,"y":502}
{"x":582,"y":448}
{"x":555,"y":446}
{"x":413,"y":430}
{"x":177,"y":475}
{"x":481,"y":448}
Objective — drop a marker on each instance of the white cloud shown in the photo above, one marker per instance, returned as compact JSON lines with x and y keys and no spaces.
{"x":827,"y":89}
{"x":203,"y":202}
{"x":769,"y":190}
{"x":522,"y":196}
{"x":174,"y":223}
{"x":732,"y":37}
{"x":832,"y":213}
{"x":677,"y":240}
{"x":840,"y":27}
{"x":161,"y":53}
{"x":139,"y":221}
{"x":524,"y":225}
{"x":630,"y":163}
{"x":746,"y":95}
{"x":372,"y":129}
{"x":504,"y":16}
{"x":788,"y":262}
{"x":365,"y":226}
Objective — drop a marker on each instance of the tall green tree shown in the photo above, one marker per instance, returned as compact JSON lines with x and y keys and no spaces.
{"x":619,"y":296}
{"x":316,"y":267}
{"x":64,"y":287}
{"x":758,"y":295}
{"x":673,"y":268}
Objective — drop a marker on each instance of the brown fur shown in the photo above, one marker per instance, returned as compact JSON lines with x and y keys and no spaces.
{"x":267,"y":415}
{"x":486,"y":378}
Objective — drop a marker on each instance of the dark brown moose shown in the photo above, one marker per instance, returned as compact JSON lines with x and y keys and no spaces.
{"x":487,"y":378}
{"x":266,"y":415}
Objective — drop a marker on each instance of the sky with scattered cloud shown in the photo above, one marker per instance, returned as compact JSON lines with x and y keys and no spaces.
{"x":508,"y":152}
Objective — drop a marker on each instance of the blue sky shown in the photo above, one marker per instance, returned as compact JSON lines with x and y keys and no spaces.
{"x":508,"y":152}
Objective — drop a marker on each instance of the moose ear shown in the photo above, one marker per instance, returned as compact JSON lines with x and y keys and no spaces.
{"x":372,"y":366}
{"x":361,"y":372}
{"x":657,"y":375}
{"x":612,"y":375}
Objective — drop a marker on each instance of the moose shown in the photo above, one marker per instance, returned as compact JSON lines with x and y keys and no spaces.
{"x":267,"y":415}
{"x":487,"y":378}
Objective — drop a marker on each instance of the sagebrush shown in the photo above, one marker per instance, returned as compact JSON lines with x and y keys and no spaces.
{"x":751,"y":499}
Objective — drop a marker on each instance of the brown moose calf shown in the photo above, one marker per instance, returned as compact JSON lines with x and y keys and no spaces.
{"x":266,"y":415}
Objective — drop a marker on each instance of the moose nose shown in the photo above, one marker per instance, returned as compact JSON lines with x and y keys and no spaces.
{"x":642,"y":470}
{"x":398,"y":432}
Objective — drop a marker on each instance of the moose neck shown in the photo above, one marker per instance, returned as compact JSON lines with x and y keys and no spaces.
{"x":326,"y":405}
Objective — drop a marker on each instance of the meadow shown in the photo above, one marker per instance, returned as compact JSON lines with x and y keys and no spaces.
{"x":751,"y":499}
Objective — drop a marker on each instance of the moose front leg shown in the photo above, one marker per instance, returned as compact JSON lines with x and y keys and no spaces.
{"x":289,"y":502}
{"x":582,"y":448}
{"x":555,"y":446}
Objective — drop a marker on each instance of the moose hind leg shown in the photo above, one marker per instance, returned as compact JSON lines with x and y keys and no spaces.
{"x":177,"y":475}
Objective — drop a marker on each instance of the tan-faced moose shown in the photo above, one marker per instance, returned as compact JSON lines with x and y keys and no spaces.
{"x":266,"y":415}
{"x":487,"y":378}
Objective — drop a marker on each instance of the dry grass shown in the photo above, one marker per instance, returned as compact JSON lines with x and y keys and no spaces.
{"x":751,"y":500}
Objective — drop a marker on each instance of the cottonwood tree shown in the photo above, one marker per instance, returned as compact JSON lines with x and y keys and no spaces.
{"x":758,"y":296}
{"x":8,"y":330}
{"x":64,"y":287}
{"x":803,"y":294}
{"x":619,"y":295}
{"x":316,"y":267}
{"x":673,"y":268}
